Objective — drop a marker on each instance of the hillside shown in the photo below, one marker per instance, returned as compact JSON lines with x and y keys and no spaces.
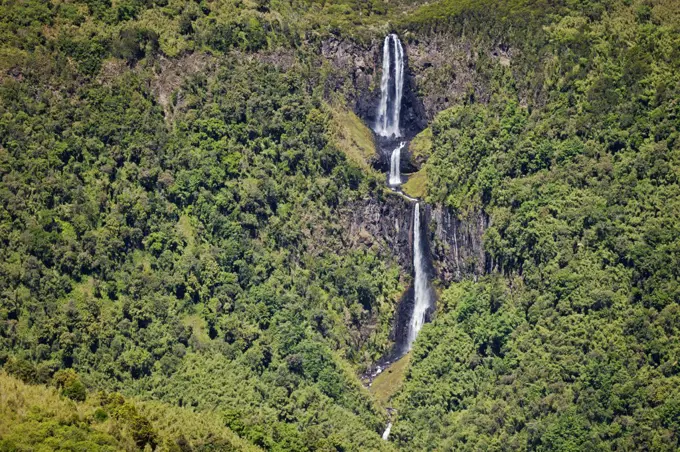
{"x":571,"y":341}
{"x":38,"y":416}
{"x":200,"y":250}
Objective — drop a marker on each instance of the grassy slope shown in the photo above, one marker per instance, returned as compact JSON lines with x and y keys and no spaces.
{"x":36,"y":417}
{"x":416,"y":186}
{"x":389,"y":382}
{"x":354,"y":138}
{"x":420,"y":147}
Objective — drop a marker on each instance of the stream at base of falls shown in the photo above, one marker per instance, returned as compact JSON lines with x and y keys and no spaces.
{"x":386,"y":433}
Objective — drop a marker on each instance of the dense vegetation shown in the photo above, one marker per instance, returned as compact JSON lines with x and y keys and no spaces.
{"x":38,"y":418}
{"x":186,"y":252}
{"x":175,"y":272}
{"x":573,"y":344}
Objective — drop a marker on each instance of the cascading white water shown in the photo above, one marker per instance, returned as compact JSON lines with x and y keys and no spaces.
{"x":422,"y":294}
{"x":395,"y":163}
{"x":386,"y":433}
{"x":381,"y":122}
{"x":387,"y":125}
{"x":389,"y":110}
{"x":398,"y":83}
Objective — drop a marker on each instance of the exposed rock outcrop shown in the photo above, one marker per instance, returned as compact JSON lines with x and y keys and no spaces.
{"x":357,"y":71}
{"x":385,"y":223}
{"x":456,"y":244}
{"x":441,"y":71}
{"x":172,"y":73}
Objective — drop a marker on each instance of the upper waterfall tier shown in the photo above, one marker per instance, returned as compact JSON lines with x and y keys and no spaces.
{"x":391,"y":88}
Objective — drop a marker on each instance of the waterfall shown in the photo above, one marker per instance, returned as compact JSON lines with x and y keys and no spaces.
{"x":386,"y":433}
{"x":395,"y":160}
{"x":422,"y":299}
{"x":389,"y":110}
{"x":381,"y":123}
{"x":387,"y":125}
{"x":398,"y":83}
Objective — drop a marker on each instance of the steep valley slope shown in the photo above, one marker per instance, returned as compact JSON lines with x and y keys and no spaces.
{"x":199,"y":250}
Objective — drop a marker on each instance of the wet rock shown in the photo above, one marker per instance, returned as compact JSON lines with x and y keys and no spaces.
{"x":361,"y":65}
{"x":386,"y":223}
{"x":456,"y":244}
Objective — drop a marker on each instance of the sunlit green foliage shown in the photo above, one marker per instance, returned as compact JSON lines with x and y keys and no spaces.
{"x":35,"y":417}
{"x":574,"y":344}
{"x":194,"y":258}
{"x":190,"y":251}
{"x":118,"y":229}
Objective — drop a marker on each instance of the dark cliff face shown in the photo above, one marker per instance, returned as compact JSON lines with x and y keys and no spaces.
{"x":385,"y":222}
{"x":451,"y":69}
{"x":413,"y":118}
{"x":382,"y":160}
{"x":355,"y":71}
{"x":404,"y":312}
{"x":445,"y":72}
{"x":360,"y":66}
{"x":456,"y":244}
{"x":442,"y":70}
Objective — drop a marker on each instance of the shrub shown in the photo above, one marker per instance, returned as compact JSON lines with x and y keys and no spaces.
{"x":68,"y":381}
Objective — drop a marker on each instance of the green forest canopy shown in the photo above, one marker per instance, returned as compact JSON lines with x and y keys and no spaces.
{"x":189,"y":252}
